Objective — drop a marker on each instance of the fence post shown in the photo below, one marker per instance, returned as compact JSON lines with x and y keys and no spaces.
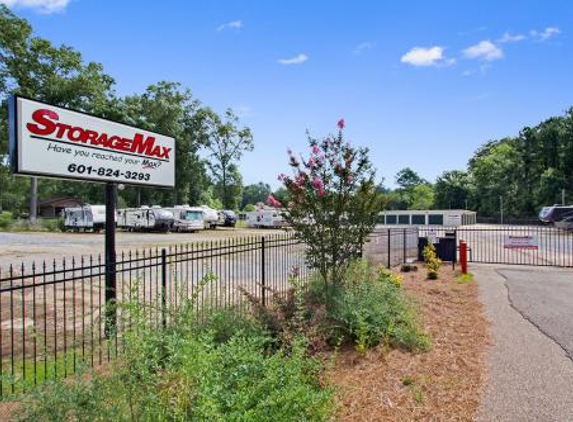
{"x":389,"y":260}
{"x":263,"y":275}
{"x":110,"y":260}
{"x":455,"y":258}
{"x":164,"y":288}
{"x":404,"y":246}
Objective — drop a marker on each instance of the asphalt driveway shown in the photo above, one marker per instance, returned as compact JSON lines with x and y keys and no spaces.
{"x":544,"y":298}
{"x":529,"y":366}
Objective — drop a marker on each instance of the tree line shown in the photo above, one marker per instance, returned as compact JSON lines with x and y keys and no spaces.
{"x":522,"y":174}
{"x":208,"y":148}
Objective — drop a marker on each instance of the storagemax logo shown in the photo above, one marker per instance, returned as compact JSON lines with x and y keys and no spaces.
{"x":46,"y":123}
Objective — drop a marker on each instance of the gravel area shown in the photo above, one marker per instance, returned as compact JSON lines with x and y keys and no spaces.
{"x":529,"y":376}
{"x":33,"y":246}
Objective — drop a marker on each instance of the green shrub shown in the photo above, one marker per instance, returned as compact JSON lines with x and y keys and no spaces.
{"x":371,"y":308}
{"x":193,"y":371}
{"x":368,"y":309}
{"x":432,"y":261}
{"x":6,"y":218}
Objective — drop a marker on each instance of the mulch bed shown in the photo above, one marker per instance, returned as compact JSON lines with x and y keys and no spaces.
{"x":442,"y":384}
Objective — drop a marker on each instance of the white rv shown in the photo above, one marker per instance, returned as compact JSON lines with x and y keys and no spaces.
{"x":88,"y":217}
{"x":265,"y":218}
{"x":187,"y":219}
{"x":210,"y":217}
{"x":145,"y":219}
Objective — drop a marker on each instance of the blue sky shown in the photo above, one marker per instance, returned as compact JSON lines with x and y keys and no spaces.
{"x":422,"y":84}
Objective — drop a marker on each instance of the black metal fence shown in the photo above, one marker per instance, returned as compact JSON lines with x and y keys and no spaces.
{"x":392,"y":246}
{"x":53,"y":315}
{"x":512,"y":245}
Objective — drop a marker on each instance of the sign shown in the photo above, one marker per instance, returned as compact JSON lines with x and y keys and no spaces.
{"x":432,"y":237}
{"x":51,"y":141}
{"x":453,"y":220}
{"x":520,"y":242}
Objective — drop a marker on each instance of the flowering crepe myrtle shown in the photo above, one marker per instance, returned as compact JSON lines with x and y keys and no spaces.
{"x":332,"y":202}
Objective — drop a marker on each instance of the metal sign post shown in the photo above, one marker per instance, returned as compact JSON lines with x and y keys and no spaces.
{"x":110,"y":259}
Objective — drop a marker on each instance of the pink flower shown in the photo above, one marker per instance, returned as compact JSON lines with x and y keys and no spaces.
{"x":271,"y":200}
{"x":350,"y":179}
{"x":315,"y":149}
{"x":317,"y":183}
{"x":311,"y":162}
{"x":340,"y":124}
{"x":320,"y":192}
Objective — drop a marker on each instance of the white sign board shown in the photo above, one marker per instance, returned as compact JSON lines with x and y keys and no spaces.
{"x":520,"y":242}
{"x":453,"y":220}
{"x":51,"y":141}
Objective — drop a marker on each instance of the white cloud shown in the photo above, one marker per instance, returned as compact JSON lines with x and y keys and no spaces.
{"x":237,"y":25}
{"x":365,"y":46}
{"x":420,"y":56}
{"x":41,"y":6}
{"x":301,"y":58}
{"x":507,"y":37}
{"x":484,"y":50}
{"x":546,"y":34}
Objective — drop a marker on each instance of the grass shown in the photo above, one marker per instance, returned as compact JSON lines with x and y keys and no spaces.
{"x":27,"y":376}
{"x":9,"y":224}
{"x":464,"y":278}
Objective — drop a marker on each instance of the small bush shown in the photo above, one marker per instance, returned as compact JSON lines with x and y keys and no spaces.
{"x":6,"y":218}
{"x":432,"y":261}
{"x":218,"y":370}
{"x":406,"y":268}
{"x":371,"y":309}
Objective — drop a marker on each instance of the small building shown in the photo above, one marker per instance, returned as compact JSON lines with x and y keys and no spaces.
{"x":448,"y":218}
{"x":53,"y":207}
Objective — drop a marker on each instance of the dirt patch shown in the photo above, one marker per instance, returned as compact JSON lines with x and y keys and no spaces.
{"x":442,"y":384}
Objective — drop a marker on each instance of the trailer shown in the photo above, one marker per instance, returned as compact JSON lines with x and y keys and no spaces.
{"x":211,"y":217}
{"x":145,"y":219}
{"x":265,"y":218}
{"x":187,"y":219}
{"x":88,"y":217}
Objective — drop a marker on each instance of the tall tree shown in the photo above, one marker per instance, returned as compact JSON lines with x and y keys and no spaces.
{"x":253,"y":194}
{"x":33,"y":67}
{"x":168,"y":109}
{"x":227,"y":144}
{"x":452,"y":190}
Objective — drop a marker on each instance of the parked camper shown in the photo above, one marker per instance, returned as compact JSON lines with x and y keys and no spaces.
{"x":551,"y":215}
{"x":211,"y":217}
{"x":187,"y":219}
{"x":265,"y":218}
{"x":227,"y":218}
{"x":88,"y":217}
{"x":145,"y":219}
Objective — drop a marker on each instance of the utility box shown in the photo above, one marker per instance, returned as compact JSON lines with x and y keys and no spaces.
{"x":445,"y":247}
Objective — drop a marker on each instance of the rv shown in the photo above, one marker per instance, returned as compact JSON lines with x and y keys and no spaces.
{"x":210,"y":216}
{"x":145,"y":219}
{"x":187,"y":219}
{"x":265,"y":218}
{"x":227,"y":218}
{"x":88,"y":217}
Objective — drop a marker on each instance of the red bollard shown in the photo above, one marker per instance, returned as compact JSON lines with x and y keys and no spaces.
{"x":464,"y":256}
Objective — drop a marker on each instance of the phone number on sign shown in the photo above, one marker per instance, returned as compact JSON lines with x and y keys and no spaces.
{"x":107,"y":172}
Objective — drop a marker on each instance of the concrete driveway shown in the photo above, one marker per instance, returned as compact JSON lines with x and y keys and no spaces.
{"x":529,"y":368}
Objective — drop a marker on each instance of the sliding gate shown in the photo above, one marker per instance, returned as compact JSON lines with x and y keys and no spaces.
{"x":517,"y":245}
